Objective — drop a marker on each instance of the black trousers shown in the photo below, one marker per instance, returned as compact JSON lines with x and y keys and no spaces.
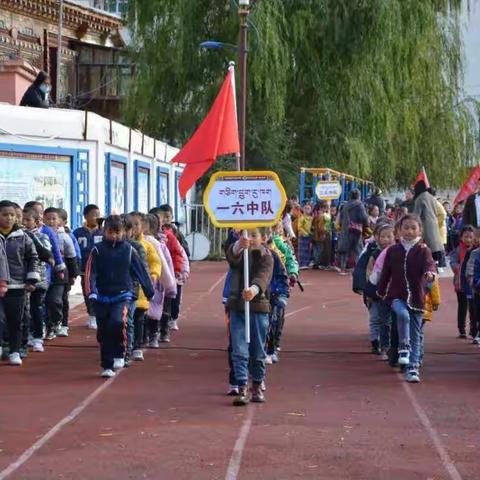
{"x":112,"y":319}
{"x":88,"y":302}
{"x":66,"y":305}
{"x":11,"y":314}
{"x":54,"y":302}
{"x":38,"y":312}
{"x":26,"y":321}
{"x":176,"y":303}
{"x":166,"y":316}
{"x":275,"y":329}
{"x":139,"y":327}
{"x":475,"y":318}
{"x":464,"y":306}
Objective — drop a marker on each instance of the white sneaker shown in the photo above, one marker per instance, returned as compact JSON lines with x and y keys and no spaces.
{"x":263,"y":386}
{"x":403,"y":357}
{"x":137,"y":355}
{"x":173,"y":325}
{"x":30,"y":340}
{"x":476,"y":341}
{"x":107,"y":373}
{"x":268,"y":360}
{"x":412,"y":376}
{"x":38,"y":345}
{"x":62,"y":331}
{"x":118,"y":363}
{"x":51,"y":335}
{"x":92,"y":322}
{"x":14,"y":359}
{"x":232,"y":390}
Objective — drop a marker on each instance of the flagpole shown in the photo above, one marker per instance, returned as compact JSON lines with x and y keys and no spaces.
{"x":240,"y":164}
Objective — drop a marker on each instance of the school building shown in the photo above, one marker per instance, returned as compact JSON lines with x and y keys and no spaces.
{"x":70,"y":158}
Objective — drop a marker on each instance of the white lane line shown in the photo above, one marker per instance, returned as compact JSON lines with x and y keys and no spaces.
{"x":215,"y":285}
{"x":298,"y":311}
{"x":236,"y":458}
{"x":432,"y":433}
{"x":25,"y":456}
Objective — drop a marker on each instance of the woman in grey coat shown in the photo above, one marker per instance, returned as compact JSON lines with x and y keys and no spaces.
{"x":353,"y":217}
{"x":426,"y":208}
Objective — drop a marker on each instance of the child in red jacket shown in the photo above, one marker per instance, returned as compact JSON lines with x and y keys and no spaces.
{"x":180,"y":265}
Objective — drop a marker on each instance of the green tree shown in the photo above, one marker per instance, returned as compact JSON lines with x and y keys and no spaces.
{"x":369,"y":87}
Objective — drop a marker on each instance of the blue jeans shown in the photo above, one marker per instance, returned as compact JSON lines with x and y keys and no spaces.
{"x":380,"y":324}
{"x":409,"y":325}
{"x":245,"y":355}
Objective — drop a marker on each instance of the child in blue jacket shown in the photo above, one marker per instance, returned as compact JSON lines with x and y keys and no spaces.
{"x":111,"y":271}
{"x":88,"y":235}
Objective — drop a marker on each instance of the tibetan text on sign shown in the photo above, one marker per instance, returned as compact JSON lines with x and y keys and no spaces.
{"x":328,"y":190}
{"x":244,"y":199}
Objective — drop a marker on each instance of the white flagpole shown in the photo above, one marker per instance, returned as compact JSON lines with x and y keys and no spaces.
{"x":246,"y":265}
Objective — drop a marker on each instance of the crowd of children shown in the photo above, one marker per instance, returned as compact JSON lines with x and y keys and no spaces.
{"x":398,"y":278}
{"x":132,"y":270}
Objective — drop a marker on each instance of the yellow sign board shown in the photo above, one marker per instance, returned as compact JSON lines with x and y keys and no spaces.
{"x":244,"y":200}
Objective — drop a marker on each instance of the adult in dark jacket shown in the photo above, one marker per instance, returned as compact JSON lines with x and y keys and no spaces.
{"x":409,"y":202}
{"x":426,"y":209}
{"x":470,"y":216}
{"x":376,"y":200}
{"x":37,"y":93}
{"x":353,"y":218}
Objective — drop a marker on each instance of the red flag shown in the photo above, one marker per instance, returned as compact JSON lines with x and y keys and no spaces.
{"x":469,"y":187}
{"x":422,"y":175}
{"x":217,"y":135}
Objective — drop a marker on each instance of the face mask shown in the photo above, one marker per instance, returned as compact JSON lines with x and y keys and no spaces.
{"x":44,"y":88}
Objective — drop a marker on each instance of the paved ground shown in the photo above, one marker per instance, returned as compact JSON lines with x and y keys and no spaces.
{"x":334,"y":411}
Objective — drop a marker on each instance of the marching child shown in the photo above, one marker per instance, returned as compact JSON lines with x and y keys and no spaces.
{"x":171,"y":308}
{"x":155,"y":269}
{"x":57,"y":324}
{"x":64,"y":230}
{"x":166,"y":285}
{"x":407,"y":267}
{"x":432,"y":303}
{"x":279,"y":294}
{"x":137,"y":246}
{"x":46,"y":262}
{"x":321,"y":236}
{"x":366,"y":274}
{"x":88,"y":235}
{"x":458,"y":259}
{"x":305,"y":236}
{"x":249,"y":357}
{"x":23,"y":271}
{"x":111,"y":269}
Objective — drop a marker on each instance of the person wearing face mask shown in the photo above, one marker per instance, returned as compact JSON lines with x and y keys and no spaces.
{"x":37,"y":94}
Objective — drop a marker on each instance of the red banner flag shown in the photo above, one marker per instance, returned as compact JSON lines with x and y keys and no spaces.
{"x":422,"y":175}
{"x":217,"y":135}
{"x":469,"y":187}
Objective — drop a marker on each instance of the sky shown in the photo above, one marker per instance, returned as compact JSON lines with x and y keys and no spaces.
{"x":472,"y":49}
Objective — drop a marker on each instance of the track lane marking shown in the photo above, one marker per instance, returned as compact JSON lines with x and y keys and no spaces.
{"x":447,"y":462}
{"x":236,"y":458}
{"x":298,"y":311}
{"x":27,"y":454}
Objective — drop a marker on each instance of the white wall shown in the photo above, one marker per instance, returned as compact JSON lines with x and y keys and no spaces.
{"x":57,"y":128}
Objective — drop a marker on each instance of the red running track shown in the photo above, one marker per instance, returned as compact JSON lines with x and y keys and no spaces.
{"x":334,"y":411}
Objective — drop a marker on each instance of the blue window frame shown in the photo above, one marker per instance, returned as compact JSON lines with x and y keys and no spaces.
{"x":78,"y":174}
{"x":141,"y":186}
{"x":163,"y":186}
{"x":116,"y":192}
